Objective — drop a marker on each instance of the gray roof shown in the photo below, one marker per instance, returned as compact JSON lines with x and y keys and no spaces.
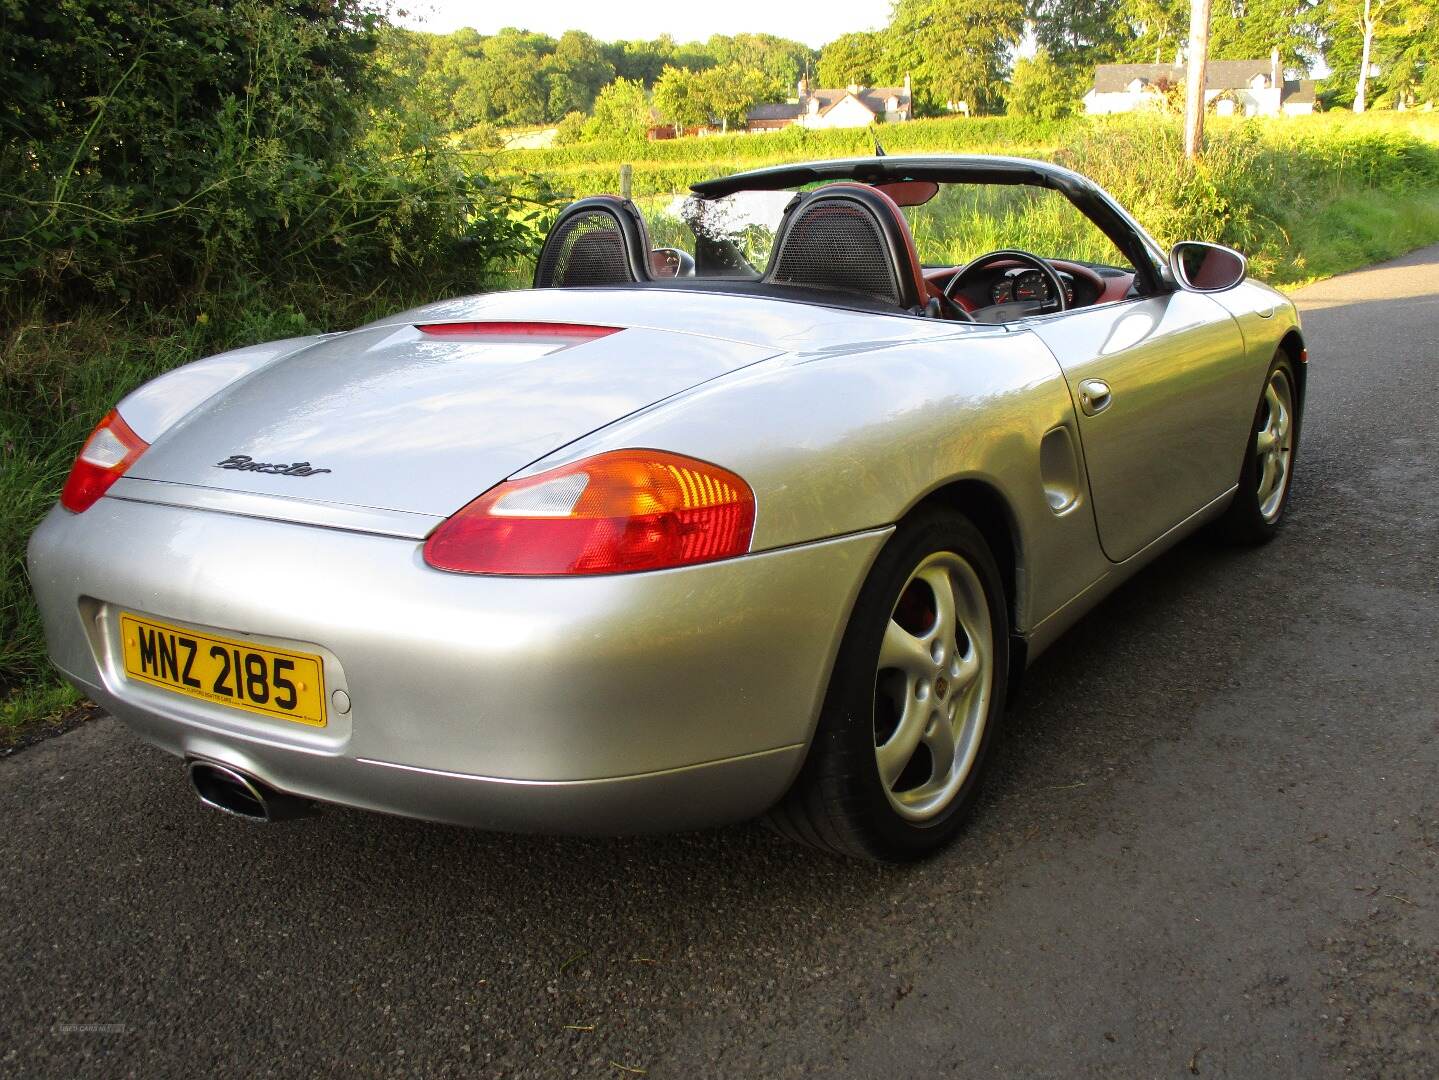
{"x":780,"y":111}
{"x":872,"y":97}
{"x":877,"y":96}
{"x":1220,"y":75}
{"x":1299,"y":91}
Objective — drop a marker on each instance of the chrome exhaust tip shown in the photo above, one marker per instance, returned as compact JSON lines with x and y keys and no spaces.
{"x":224,"y":788}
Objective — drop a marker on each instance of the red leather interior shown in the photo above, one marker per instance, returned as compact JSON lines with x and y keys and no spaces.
{"x":1109,"y":289}
{"x":1116,"y":288}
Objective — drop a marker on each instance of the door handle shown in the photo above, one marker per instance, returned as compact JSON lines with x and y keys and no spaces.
{"x":1094,"y":396}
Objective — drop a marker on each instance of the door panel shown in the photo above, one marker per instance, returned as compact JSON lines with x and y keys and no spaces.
{"x":1164,"y":399}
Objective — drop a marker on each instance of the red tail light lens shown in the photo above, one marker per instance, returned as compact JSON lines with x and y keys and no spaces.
{"x":111,"y":449}
{"x":560,"y":333}
{"x":616,"y":513}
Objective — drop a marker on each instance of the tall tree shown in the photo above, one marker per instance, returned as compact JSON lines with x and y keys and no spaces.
{"x":579,"y":69}
{"x":1412,"y":52}
{"x":779,"y":60}
{"x":1042,"y":89}
{"x":1367,"y":56}
{"x":957,"y":50}
{"x":680,"y":99}
{"x":731,"y":90}
{"x":1080,"y":35}
{"x":1250,"y":30}
{"x":861,"y":58}
{"x":621,"y":112}
{"x":1154,"y":29}
{"x":1359,"y":35}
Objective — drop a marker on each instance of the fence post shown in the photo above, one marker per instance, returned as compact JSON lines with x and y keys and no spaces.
{"x":626,"y":179}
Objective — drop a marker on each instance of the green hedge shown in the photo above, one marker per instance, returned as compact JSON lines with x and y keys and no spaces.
{"x":950,"y":135}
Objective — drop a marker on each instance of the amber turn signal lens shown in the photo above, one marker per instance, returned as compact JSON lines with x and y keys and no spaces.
{"x":616,"y":513}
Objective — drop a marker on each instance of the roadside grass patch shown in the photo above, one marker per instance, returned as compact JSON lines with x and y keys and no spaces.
{"x":1357,"y":230}
{"x":30,"y":710}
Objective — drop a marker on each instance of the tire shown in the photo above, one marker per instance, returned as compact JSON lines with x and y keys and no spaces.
{"x":1255,"y":514}
{"x":903,"y":678}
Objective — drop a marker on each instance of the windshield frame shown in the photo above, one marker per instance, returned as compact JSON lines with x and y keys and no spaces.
{"x":1145,"y":255}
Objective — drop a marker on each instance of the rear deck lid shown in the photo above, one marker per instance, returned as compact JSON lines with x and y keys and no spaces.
{"x":422,"y":421}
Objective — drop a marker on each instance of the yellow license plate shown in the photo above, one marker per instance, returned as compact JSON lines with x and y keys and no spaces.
{"x":241,"y":674}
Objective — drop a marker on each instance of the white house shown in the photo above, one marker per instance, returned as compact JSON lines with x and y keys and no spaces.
{"x":854,"y":106}
{"x":1242,"y":87}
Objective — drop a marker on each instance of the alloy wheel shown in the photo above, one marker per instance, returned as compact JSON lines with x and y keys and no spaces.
{"x":933,"y":685}
{"x":1274,"y":444}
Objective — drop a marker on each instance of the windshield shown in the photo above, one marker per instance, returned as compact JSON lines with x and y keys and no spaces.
{"x":731,"y":237}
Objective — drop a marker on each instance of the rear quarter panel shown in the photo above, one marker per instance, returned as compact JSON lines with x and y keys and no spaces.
{"x":836,"y":444}
{"x":159,"y":404}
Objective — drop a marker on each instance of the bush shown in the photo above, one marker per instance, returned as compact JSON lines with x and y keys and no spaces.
{"x":151,"y":147}
{"x":1041,"y":89}
{"x":182,"y":176}
{"x":571,"y":129}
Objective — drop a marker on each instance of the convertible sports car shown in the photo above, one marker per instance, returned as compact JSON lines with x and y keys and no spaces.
{"x":765,"y":519}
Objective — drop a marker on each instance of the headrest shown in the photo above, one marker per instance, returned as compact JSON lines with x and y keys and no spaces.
{"x":847,"y":237}
{"x":597,"y":241}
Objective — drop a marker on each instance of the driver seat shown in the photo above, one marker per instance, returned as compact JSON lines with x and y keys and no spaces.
{"x":849,"y":237}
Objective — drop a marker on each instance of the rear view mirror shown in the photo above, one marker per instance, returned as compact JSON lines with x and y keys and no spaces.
{"x":1202,"y":267}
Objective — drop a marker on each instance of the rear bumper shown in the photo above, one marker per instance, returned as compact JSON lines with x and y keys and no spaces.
{"x":643,"y":702}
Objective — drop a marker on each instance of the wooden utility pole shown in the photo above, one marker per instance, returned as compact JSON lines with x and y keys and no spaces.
{"x":1195,"y":79}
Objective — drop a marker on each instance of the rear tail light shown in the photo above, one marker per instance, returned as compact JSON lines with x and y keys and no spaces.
{"x":559,"y":333}
{"x":616,"y":513}
{"x":111,"y":449}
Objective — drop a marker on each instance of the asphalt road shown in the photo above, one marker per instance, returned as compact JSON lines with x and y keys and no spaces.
{"x":1210,"y":847}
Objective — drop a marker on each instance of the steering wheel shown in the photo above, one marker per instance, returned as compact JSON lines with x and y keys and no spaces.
{"x":1017,"y":309}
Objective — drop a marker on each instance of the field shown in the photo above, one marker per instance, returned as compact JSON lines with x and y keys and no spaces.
{"x":1303,"y":197}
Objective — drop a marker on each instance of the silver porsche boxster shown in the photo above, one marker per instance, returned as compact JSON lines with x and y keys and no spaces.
{"x":761,"y":515}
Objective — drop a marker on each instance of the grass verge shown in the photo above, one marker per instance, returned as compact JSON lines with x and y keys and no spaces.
{"x":1357,"y":230}
{"x":37,"y":711}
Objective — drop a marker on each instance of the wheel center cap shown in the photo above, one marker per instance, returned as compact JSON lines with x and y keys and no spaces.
{"x":941,"y":687}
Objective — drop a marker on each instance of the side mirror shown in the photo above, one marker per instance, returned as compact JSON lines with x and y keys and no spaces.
{"x":671,"y":263}
{"x":1201,"y":267}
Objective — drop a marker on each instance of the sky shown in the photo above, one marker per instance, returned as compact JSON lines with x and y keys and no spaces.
{"x":814,"y":24}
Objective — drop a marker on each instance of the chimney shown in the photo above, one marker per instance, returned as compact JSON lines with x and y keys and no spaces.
{"x":853,"y":88}
{"x":907,"y":92}
{"x":1274,"y":67}
{"x":803,"y":86}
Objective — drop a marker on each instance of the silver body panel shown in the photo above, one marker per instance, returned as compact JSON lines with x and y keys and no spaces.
{"x":1183,"y":391}
{"x":656,"y":700}
{"x":401,"y":421}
